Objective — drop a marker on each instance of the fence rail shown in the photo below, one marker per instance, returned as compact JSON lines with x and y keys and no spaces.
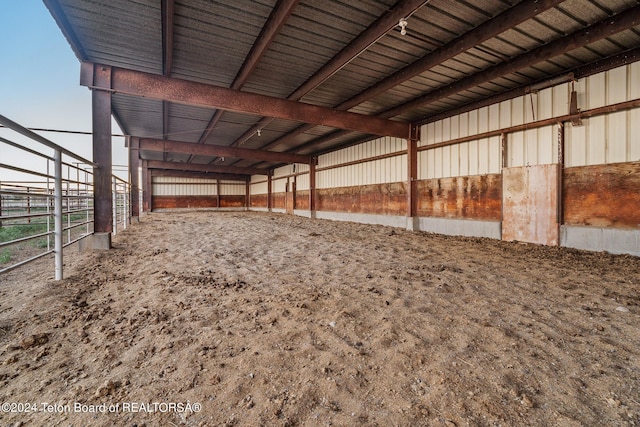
{"x":47,"y":204}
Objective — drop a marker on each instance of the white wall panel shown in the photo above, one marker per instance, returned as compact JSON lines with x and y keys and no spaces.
{"x":368,"y":172}
{"x":259,"y":188}
{"x":596,"y":91}
{"x":232,"y":188}
{"x":560,"y":101}
{"x":302,"y":182}
{"x":174,"y":186}
{"x":617,"y":137}
{"x":596,"y":143}
{"x":279,"y":185}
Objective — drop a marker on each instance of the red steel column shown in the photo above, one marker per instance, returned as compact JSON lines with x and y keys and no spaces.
{"x":103,"y":204}
{"x":312,"y":187}
{"x":134,"y":166}
{"x":145,"y":191}
{"x":412,"y":178}
{"x":269,"y":204}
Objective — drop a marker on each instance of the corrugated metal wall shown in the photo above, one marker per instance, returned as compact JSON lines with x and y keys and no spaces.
{"x":601,"y":140}
{"x":232,"y":188}
{"x":258,"y":184}
{"x":381,"y":171}
{"x":302,"y":181}
{"x":612,"y":138}
{"x":172,"y":186}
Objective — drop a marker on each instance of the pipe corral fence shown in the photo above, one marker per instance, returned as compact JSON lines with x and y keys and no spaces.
{"x":47,"y":203}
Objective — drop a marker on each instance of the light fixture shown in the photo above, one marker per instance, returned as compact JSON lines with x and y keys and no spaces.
{"x":259,"y":132}
{"x":403,"y":26}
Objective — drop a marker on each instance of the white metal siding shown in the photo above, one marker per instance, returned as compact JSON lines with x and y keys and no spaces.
{"x":259,"y":188}
{"x":172,"y":186}
{"x":611,"y":138}
{"x":232,"y":188}
{"x":302,"y":182}
{"x":387,"y":170}
{"x":604,"y":139}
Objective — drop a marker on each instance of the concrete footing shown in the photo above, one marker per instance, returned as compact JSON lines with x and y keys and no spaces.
{"x":96,"y":241}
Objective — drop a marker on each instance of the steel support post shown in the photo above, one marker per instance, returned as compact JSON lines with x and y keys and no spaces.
{"x":312,"y":187}
{"x":57,"y":214}
{"x":269,"y":187}
{"x":412,"y":178}
{"x":134,"y":166}
{"x":103,"y":201}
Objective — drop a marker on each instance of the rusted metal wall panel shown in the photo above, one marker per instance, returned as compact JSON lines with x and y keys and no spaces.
{"x":258,"y":200}
{"x":174,"y":202}
{"x":383,"y":199}
{"x":530,"y":204}
{"x":231,"y":201}
{"x":469,"y":197}
{"x":302,"y":199}
{"x":278,"y":200}
{"x":602,"y":195}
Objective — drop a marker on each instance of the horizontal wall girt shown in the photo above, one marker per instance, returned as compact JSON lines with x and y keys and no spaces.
{"x":138,"y":83}
{"x":200,"y":175}
{"x":158,"y":164}
{"x":168,"y":146}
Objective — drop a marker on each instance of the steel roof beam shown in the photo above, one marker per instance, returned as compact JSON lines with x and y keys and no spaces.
{"x":151,"y":144}
{"x":358,"y":45}
{"x":506,"y":20}
{"x":176,"y":166}
{"x":138,"y":83}
{"x":624,"y":58}
{"x":272,"y":27}
{"x":605,"y":28}
{"x":501,"y":23}
{"x":598,"y":31}
{"x":203,"y":175}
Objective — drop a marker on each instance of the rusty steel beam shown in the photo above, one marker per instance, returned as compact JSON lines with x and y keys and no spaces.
{"x":138,"y":83}
{"x":194,"y":174}
{"x":513,"y":16}
{"x":151,"y":144}
{"x":602,"y":65}
{"x":158,"y":164}
{"x":605,"y":28}
{"x":506,"y":20}
{"x":101,"y":119}
{"x":358,"y":45}
{"x":272,"y":27}
{"x":134,"y":165}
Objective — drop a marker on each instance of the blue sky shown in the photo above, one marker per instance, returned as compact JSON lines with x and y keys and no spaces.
{"x":39,"y":80}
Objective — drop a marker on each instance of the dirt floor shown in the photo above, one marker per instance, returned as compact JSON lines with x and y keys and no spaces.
{"x":252,"y":319}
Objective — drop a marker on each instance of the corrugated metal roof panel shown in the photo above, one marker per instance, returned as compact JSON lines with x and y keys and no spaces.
{"x":212,"y":38}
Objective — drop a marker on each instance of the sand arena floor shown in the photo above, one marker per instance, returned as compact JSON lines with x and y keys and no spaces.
{"x":276,"y":320}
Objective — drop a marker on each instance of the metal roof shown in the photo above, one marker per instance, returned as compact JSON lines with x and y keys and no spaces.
{"x":348,"y":55}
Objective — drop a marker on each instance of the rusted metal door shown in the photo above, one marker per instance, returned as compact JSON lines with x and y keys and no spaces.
{"x":289,"y":202}
{"x":530,"y":204}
